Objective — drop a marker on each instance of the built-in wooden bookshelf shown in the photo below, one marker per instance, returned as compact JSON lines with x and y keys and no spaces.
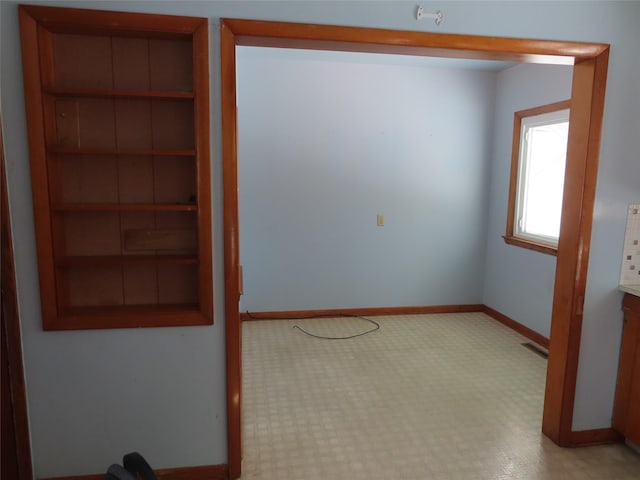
{"x":118,"y":120}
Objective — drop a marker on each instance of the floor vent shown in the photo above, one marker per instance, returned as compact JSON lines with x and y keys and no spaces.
{"x":536,"y":349}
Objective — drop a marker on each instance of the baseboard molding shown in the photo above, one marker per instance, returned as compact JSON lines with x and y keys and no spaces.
{"x":597,"y":436}
{"x":379,"y":311}
{"x":518,"y":327}
{"x":368,"y":312}
{"x":204,"y":472}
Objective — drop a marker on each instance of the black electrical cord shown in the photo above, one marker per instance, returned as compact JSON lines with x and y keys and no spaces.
{"x":376,"y":325}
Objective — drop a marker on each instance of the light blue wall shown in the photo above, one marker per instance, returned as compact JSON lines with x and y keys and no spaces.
{"x":519,"y":282}
{"x":86,"y":388}
{"x":329,"y":139}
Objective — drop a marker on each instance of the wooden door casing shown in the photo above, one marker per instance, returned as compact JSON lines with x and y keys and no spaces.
{"x":16,"y":453}
{"x":587,"y":105}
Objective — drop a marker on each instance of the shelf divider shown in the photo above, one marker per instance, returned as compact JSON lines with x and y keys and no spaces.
{"x":124,"y":207}
{"x":108,"y":260}
{"x":117,"y":93}
{"x":122,"y":151}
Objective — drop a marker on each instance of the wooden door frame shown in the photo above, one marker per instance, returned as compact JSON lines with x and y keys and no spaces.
{"x":11,"y":325}
{"x":587,"y":107}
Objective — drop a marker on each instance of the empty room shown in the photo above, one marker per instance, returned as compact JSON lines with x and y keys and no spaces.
{"x":373,"y":187}
{"x":310,"y":239}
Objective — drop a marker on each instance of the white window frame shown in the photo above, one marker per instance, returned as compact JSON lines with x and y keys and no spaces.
{"x":523,"y":121}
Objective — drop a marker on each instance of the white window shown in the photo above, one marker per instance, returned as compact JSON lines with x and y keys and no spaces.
{"x":537,"y":177}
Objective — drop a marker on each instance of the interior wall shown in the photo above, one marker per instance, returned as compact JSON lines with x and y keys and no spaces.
{"x":618,"y":186}
{"x":95,"y":395}
{"x":519,"y":282}
{"x":328,"y":140}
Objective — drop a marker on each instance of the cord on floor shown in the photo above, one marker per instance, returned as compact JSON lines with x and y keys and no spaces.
{"x":376,"y":325}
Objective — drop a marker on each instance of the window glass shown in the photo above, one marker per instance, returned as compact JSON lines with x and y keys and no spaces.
{"x":543,"y":152}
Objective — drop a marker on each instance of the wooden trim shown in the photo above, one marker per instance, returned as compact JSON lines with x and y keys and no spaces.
{"x":117,"y":93}
{"x":587,"y":102}
{"x":509,"y":237}
{"x":203,"y":161}
{"x":102,"y":22}
{"x":109,"y":260}
{"x":599,"y":436}
{"x":529,"y":244}
{"x":123,"y":207}
{"x":378,"y":311}
{"x":368,"y":312}
{"x":88,"y":318}
{"x":37,"y":156}
{"x":376,"y":40}
{"x":204,"y":472}
{"x":122,"y":151}
{"x":233,"y":336}
{"x":585,"y":127}
{"x":11,"y":325}
{"x":517,"y":326}
{"x":95,"y":476}
{"x":548,"y":108}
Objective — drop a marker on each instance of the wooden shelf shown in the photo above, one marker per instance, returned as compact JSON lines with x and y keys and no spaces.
{"x":130,"y":316}
{"x":109,"y":260}
{"x":117,"y":93}
{"x":122,"y":151}
{"x":128,"y":309}
{"x":124,"y":207}
{"x":120,"y":176}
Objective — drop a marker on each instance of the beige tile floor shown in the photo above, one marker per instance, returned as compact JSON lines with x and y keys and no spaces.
{"x":433,"y":397}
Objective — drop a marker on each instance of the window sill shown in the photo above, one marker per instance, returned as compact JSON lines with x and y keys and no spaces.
{"x":531,"y":245}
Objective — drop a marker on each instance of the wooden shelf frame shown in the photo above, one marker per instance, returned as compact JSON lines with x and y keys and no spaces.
{"x":39,"y":26}
{"x":130,"y":152}
{"x":124,"y":207}
{"x":108,"y":260}
{"x":117,"y":93}
{"x":129,"y":316}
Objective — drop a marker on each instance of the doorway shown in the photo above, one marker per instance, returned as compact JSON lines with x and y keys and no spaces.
{"x":587,"y":102}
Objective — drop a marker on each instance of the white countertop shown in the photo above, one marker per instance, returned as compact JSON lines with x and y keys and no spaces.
{"x":632,"y":289}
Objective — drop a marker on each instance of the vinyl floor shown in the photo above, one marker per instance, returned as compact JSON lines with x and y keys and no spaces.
{"x":443,"y":396}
